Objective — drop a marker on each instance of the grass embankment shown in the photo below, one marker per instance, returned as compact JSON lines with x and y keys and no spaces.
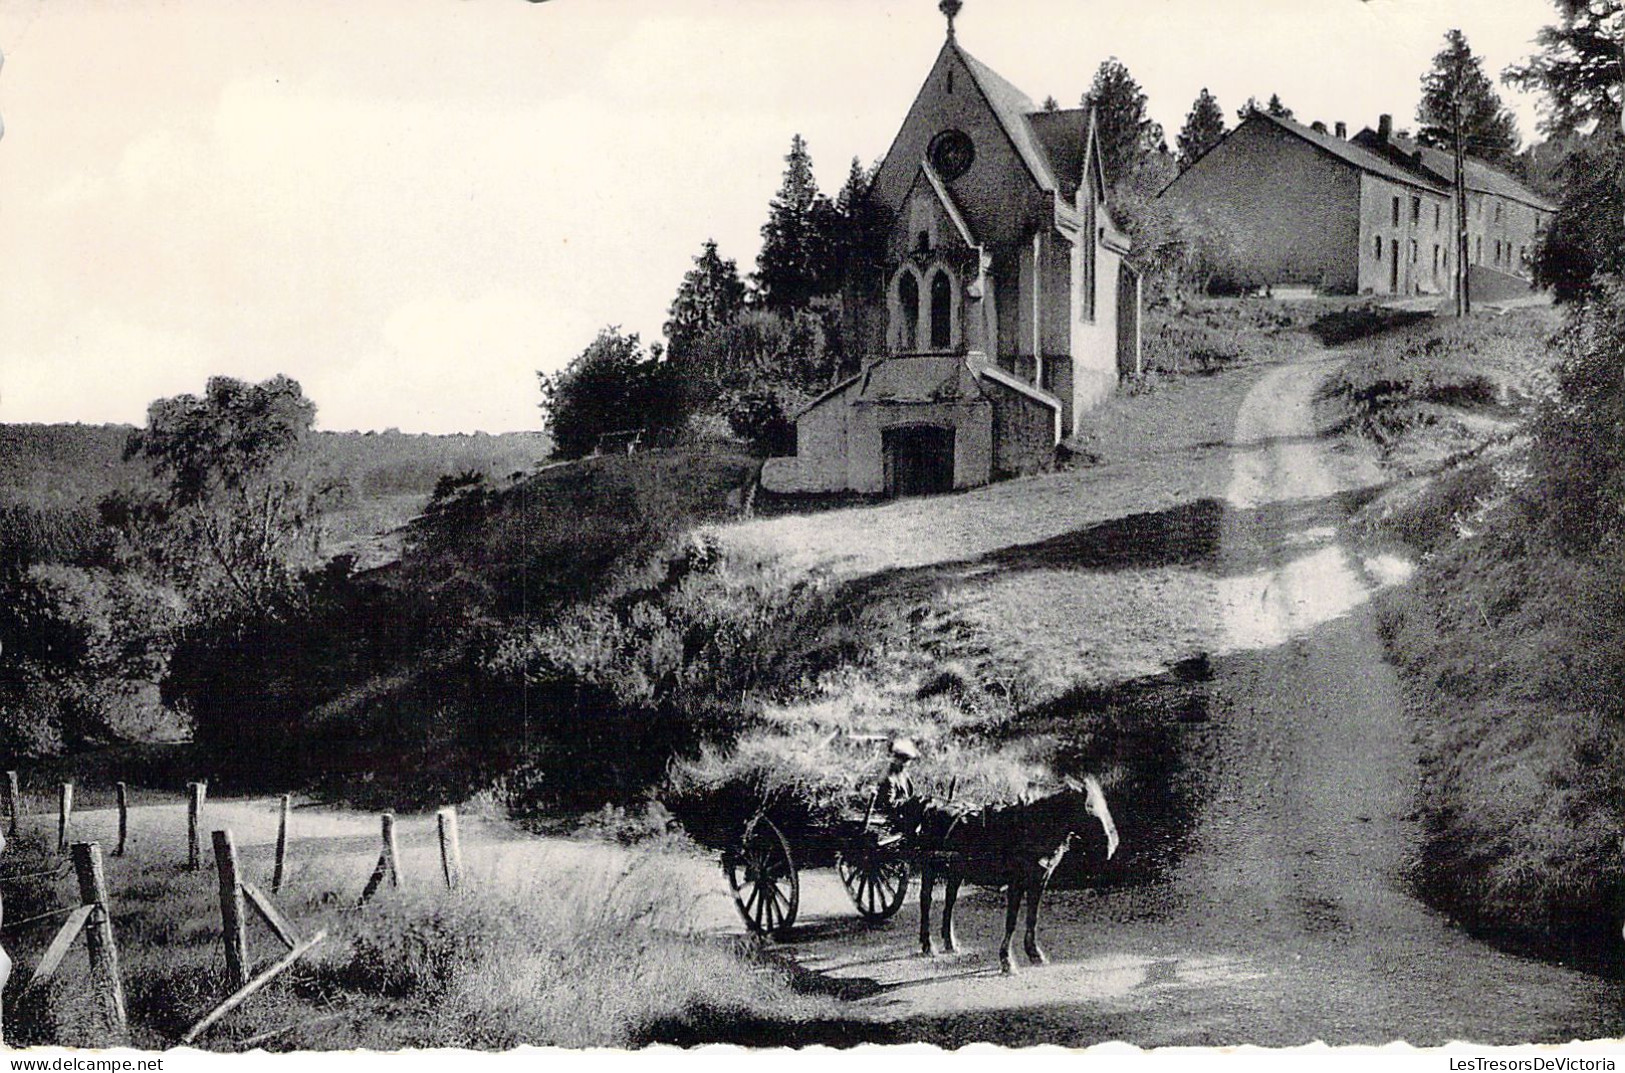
{"x":1203,"y":336}
{"x":573,"y":957}
{"x":1511,"y":636}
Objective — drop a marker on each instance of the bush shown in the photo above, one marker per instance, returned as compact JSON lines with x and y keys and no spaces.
{"x":1586,"y":238}
{"x":1579,"y":429}
{"x":1512,"y":636}
{"x":612,"y":386}
{"x":85,"y":649}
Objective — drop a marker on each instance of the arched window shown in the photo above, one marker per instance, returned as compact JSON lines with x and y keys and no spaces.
{"x":908,"y":311}
{"x":942,"y":303}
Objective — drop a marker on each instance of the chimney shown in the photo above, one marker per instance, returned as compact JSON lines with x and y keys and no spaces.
{"x":1385,"y":127}
{"x":1342,"y":129}
{"x":1318,"y":127}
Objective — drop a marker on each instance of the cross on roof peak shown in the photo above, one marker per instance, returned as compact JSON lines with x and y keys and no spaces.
{"x":950,"y":8}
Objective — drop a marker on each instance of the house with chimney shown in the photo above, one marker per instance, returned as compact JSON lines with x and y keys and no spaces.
{"x":1371,"y":214}
{"x":1006,"y":309}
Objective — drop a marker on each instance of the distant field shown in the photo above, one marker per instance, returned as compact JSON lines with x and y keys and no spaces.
{"x":64,"y":470}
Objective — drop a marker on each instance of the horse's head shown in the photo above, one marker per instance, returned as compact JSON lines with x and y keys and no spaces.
{"x":1094,"y":804}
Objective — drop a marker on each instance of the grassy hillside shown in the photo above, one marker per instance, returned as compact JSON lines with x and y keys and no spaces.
{"x":1511,"y":636}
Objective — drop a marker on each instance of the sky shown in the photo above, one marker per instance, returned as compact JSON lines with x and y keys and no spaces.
{"x":412,"y":206}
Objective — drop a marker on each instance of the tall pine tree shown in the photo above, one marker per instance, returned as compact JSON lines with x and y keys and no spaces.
{"x":710,"y":295}
{"x":1204,"y":126}
{"x":1488,"y":128}
{"x":798,"y":259}
{"x":1128,"y":135}
{"x":1580,"y":68}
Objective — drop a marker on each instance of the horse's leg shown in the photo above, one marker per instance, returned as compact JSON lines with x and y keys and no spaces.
{"x":928,"y":879}
{"x":1012,"y":910}
{"x":950,"y":895}
{"x":1035,"y":891}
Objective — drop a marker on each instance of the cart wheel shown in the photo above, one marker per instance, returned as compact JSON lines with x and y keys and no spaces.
{"x":876,"y":882}
{"x":762,"y":875}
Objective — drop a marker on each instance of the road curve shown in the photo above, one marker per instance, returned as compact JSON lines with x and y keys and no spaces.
{"x":1288,"y":920}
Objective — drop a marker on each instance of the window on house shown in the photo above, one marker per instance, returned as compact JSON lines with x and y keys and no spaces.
{"x":1416,"y":212}
{"x":1376,"y":247}
{"x":1478,"y":204}
{"x":942,"y":307}
{"x":1478,"y":250}
{"x":1396,"y":212}
{"x":1413,"y":251}
{"x":1435,"y":258}
{"x":1436,"y":216}
{"x":908,"y":311}
{"x":1498,"y":208}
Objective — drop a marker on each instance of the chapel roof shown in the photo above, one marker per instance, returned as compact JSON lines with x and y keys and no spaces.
{"x":1013,"y":109}
{"x":1064,"y":135}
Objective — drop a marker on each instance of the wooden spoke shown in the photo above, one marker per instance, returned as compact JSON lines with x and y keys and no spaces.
{"x":876,"y":883}
{"x":762,"y":875}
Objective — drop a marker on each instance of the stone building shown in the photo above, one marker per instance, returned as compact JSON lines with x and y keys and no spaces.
{"x":1367,"y":215}
{"x":1007,"y":309}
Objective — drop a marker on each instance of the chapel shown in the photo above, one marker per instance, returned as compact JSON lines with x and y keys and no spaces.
{"x":1008,"y":309}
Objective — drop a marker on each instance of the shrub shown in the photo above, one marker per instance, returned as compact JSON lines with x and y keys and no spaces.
{"x":1579,"y":429}
{"x":1512,"y":636}
{"x":611,"y":386}
{"x":85,"y":649}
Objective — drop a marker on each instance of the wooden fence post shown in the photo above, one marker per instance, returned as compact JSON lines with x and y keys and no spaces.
{"x":123,"y":819}
{"x":279,"y":870}
{"x":87,"y":864}
{"x":451,"y":848}
{"x":14,"y":801}
{"x":64,"y":816}
{"x":233,"y":930}
{"x":194,"y":819}
{"x":387,"y":866}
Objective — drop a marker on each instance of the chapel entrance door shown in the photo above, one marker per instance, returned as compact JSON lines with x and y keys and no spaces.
{"x":919,"y":460}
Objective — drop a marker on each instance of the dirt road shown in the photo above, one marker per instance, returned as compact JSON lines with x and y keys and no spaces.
{"x":1288,"y":920}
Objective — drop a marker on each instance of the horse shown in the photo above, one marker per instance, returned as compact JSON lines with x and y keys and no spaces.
{"x":1014,"y":846}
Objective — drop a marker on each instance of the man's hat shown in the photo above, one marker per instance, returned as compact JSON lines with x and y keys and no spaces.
{"x":904,"y":748}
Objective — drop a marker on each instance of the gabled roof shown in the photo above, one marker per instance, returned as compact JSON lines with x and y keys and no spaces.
{"x":1064,"y":135}
{"x":1481,"y":176}
{"x":1012,"y":108}
{"x":1356,"y":155}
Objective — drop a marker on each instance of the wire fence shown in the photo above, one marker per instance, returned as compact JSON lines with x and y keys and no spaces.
{"x":89,"y":916}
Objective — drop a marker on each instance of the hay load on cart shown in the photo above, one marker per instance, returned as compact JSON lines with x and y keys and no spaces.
{"x":777,"y":806}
